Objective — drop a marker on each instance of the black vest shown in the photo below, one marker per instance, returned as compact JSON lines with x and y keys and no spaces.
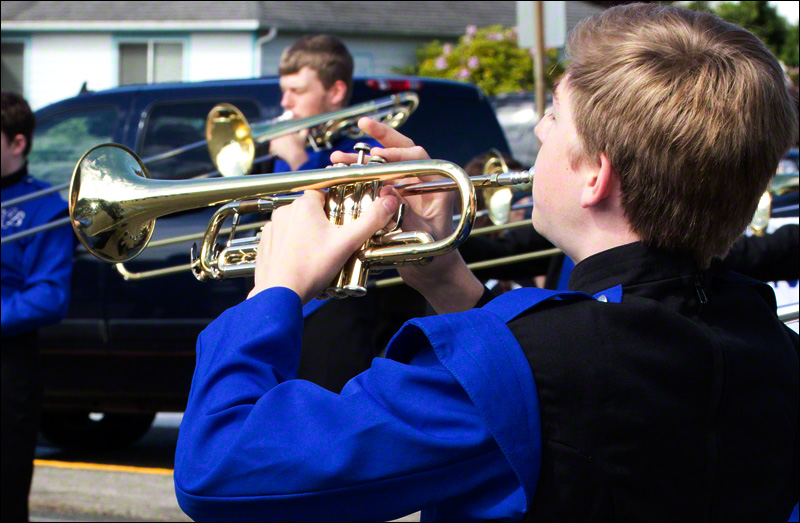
{"x":680,"y":403}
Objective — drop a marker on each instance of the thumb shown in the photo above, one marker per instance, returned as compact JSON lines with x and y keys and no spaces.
{"x":374,"y":218}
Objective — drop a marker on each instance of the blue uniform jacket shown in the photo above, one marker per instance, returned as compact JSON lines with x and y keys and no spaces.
{"x":322,"y":158}
{"x":418,"y":430}
{"x":36,"y":270}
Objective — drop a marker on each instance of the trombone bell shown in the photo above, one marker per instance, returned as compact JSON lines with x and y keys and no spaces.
{"x":229,"y":140}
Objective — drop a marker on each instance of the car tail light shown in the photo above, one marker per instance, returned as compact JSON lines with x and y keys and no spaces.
{"x":394,"y":85}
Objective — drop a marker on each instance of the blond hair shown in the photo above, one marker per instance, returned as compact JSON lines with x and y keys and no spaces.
{"x":693,"y":113}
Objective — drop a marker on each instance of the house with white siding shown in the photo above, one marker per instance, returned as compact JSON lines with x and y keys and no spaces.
{"x":51,"y":50}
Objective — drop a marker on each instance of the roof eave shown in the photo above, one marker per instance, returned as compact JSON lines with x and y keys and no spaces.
{"x":117,"y":25}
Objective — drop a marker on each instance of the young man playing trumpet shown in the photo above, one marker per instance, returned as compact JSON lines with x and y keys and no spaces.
{"x":656,"y":389}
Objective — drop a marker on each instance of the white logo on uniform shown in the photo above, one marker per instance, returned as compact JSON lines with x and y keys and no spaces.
{"x":12,"y":217}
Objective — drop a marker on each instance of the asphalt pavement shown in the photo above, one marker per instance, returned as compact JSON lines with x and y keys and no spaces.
{"x":133,"y":484}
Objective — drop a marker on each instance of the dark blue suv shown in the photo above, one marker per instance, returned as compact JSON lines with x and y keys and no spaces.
{"x":127,"y":348}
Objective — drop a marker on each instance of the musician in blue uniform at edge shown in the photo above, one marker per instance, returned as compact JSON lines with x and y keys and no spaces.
{"x":36,"y":272}
{"x":654,"y":389}
{"x":316,"y":77}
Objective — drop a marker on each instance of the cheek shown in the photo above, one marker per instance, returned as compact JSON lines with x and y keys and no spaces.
{"x":541,"y":193}
{"x":544,"y":169}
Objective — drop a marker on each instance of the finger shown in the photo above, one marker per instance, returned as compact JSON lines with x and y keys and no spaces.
{"x":343,"y":157}
{"x":263,"y":246}
{"x":386,"y":135}
{"x":315,"y":196}
{"x":374,"y":218}
{"x":263,"y":242}
{"x":396,"y":154}
{"x":389,"y":190}
{"x":311,"y":205}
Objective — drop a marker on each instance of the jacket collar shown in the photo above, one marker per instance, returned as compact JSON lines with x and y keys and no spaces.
{"x":15,"y":177}
{"x":631,"y":264}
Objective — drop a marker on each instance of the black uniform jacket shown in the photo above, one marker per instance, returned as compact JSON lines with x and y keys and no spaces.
{"x":680,"y":402}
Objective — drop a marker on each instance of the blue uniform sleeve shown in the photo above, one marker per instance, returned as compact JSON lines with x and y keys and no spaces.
{"x":257,"y":444}
{"x":46,"y":268}
{"x":322,"y":158}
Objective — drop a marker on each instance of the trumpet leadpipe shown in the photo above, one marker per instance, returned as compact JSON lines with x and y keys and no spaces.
{"x":478,"y":181}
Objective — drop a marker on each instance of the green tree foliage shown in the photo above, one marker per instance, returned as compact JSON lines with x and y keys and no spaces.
{"x":698,"y":6}
{"x":762,"y":20}
{"x":489,"y":58}
{"x":791,"y":49}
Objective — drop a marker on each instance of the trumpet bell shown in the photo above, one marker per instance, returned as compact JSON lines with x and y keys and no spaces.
{"x":100,"y":178}
{"x":230,"y":142}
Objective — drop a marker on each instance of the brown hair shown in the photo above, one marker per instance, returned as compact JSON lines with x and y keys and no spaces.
{"x":17,"y":118}
{"x":325,"y":54}
{"x":694,"y":114}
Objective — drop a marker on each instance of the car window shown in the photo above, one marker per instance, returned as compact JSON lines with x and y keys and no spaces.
{"x":60,"y":140}
{"x":171,"y":125}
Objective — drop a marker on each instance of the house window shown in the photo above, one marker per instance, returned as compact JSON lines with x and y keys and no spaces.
{"x":150,"y":62}
{"x":13,"y":66}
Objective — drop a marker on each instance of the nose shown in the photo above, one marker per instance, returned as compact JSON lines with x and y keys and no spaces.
{"x":286,"y":100}
{"x":540,"y":130}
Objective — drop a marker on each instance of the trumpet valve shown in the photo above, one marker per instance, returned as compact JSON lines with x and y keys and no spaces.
{"x":363,"y":150}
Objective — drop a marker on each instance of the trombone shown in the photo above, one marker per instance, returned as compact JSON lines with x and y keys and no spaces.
{"x":114,"y":205}
{"x":232,"y":141}
{"x":232,"y":147}
{"x":780,"y":185}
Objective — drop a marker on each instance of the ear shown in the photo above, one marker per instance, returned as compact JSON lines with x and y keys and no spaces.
{"x":18,"y":145}
{"x":337,"y":92}
{"x":600,"y":183}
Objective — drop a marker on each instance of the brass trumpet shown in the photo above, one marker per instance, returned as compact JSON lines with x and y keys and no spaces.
{"x":113,"y":207}
{"x":232,"y":141}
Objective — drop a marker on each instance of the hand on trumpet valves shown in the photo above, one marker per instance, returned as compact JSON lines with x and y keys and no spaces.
{"x":291,"y":148}
{"x":430,"y":212}
{"x":302,"y":251}
{"x":446,"y":282}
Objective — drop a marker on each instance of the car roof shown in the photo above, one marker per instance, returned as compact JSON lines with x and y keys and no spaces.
{"x":192,"y":89}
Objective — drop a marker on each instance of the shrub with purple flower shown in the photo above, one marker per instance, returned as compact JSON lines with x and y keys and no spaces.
{"x":488,"y":57}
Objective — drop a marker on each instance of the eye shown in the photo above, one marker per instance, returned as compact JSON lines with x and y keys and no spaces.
{"x":549,"y":114}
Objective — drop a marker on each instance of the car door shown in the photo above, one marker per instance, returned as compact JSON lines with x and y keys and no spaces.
{"x":153,"y":323}
{"x":73,"y":350}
